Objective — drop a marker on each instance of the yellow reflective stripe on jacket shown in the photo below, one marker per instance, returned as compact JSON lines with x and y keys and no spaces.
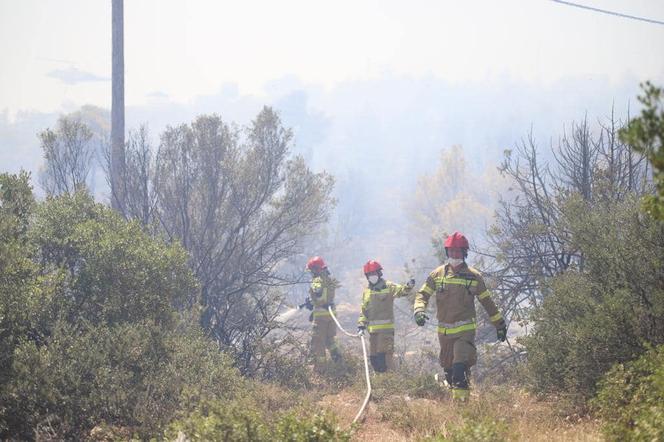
{"x":496,"y":317}
{"x":379,"y":292}
{"x":318,"y":313}
{"x":426,"y":289}
{"x":373,"y":328}
{"x":459,"y":329}
{"x":456,"y":280}
{"x":485,"y":294}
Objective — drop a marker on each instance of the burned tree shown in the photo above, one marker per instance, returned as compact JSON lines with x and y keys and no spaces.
{"x":530,"y":240}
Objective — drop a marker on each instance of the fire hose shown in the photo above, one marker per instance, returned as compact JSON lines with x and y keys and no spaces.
{"x":366,"y":362}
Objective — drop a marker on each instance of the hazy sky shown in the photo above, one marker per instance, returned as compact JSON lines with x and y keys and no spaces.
{"x":57,"y":53}
{"x":373,"y":89}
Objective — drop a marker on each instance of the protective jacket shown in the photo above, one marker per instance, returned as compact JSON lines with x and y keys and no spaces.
{"x":321,"y":292}
{"x":455,"y":292}
{"x":377,"y":310}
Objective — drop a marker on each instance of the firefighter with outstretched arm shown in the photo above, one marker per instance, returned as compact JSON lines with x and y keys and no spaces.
{"x":455,"y":286}
{"x":377,"y":315}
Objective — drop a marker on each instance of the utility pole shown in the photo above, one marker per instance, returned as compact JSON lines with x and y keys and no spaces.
{"x":117,"y":108}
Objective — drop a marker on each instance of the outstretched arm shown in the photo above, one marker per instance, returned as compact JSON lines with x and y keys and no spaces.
{"x":401,"y":290}
{"x":422,"y":297}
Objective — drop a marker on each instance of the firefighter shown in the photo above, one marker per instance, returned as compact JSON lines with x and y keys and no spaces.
{"x":321,"y":296}
{"x":455,"y":286}
{"x":377,"y":315}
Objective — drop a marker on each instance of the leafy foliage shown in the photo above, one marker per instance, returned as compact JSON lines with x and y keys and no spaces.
{"x":530,"y":241}
{"x":105,"y":270}
{"x":241,"y":205}
{"x":68,"y":152}
{"x":646,"y":135}
{"x":129,"y":375}
{"x":19,"y":290}
{"x":631,"y":396}
{"x":93,"y":325}
{"x":242,"y":421}
{"x":605,"y":312}
{"x":483,"y":430}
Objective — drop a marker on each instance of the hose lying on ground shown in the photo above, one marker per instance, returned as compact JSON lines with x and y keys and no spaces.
{"x":366,"y":363}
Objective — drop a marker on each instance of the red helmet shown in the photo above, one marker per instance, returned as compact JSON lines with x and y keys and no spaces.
{"x":456,"y":240}
{"x":372,"y":266}
{"x":316,"y":264}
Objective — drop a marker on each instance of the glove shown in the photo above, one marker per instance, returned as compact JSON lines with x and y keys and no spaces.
{"x":307,"y":304}
{"x":501,"y":332}
{"x":410,"y":284}
{"x":361,"y":329}
{"x":420,"y":318}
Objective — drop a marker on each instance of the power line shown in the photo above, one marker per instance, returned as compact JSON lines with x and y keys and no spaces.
{"x":604,"y":11}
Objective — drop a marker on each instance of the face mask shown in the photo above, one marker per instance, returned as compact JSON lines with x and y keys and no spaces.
{"x":455,"y":262}
{"x":373,"y":279}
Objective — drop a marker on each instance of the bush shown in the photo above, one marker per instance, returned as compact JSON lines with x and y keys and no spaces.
{"x":312,"y":428}
{"x":235,"y":420}
{"x":630,"y":399}
{"x":603,"y":312}
{"x":484,"y":430}
{"x":94,"y":322}
{"x":130,"y":375}
{"x":241,"y":420}
{"x":283,"y":362}
{"x":108,"y":270}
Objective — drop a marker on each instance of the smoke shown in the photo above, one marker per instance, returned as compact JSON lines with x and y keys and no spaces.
{"x":376,"y":137}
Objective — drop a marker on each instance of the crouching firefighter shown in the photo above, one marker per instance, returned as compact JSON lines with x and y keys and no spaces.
{"x":321,"y":296}
{"x":377,"y":315}
{"x":456,"y":286}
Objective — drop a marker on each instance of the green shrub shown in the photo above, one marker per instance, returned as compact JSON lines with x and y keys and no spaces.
{"x":109,"y":270}
{"x":94,"y":324}
{"x":482,"y":430}
{"x":19,"y":288}
{"x":485,"y":430}
{"x":222,"y":421}
{"x":630,"y":399}
{"x":284,"y":363}
{"x":314,"y":428}
{"x":341,"y":374}
{"x":241,"y":420}
{"x":602,"y":312}
{"x":130,"y":375}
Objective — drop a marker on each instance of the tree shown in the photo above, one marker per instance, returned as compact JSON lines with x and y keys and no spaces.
{"x":606,"y":313}
{"x":241,"y":207}
{"x":645,"y":135}
{"x":454,"y":197}
{"x":137,"y":179}
{"x":68,"y":152}
{"x":18,"y":284}
{"x":530,"y":242}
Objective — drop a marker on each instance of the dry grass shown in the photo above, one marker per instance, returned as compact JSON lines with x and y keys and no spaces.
{"x":510,"y":412}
